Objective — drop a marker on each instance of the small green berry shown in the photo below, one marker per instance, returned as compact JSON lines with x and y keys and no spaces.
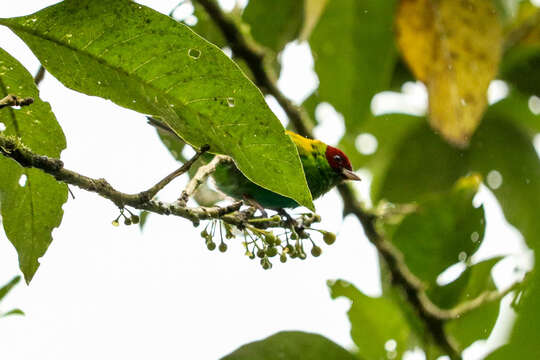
{"x":302,"y":256}
{"x":222,"y":247}
{"x":294,"y":236}
{"x":283,"y":258}
{"x":316,"y":251}
{"x":289,"y":248}
{"x":135,"y":219}
{"x":127,"y":221}
{"x":204,"y":234}
{"x":115,"y":223}
{"x":329,"y":238}
{"x":261,"y":253}
{"x":271,"y":251}
{"x":266,"y":264}
{"x":211,"y":245}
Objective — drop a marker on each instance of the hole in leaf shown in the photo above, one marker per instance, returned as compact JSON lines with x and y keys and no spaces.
{"x":2,"y":126}
{"x":22,"y":180}
{"x":194,"y":53}
{"x":230,"y":102}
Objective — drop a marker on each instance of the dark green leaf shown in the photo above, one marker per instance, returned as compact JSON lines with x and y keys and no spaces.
{"x":368,"y":332}
{"x":4,"y":290}
{"x":353,"y":47}
{"x":274,"y":23}
{"x":434,"y":236}
{"x":145,"y":61}
{"x":32,"y":211}
{"x":291,"y":345}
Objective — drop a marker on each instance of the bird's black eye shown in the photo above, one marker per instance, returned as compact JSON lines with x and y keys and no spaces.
{"x":337,"y":158}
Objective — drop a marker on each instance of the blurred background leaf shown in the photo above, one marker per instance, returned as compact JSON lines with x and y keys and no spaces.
{"x":438,"y":234}
{"x":372,"y":336}
{"x":354,"y":52}
{"x":274,"y":23}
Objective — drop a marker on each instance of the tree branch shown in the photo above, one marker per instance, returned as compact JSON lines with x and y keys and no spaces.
{"x":150,"y":193}
{"x":12,"y":147}
{"x":39,"y":75}
{"x":14,"y":100}
{"x":200,"y":177}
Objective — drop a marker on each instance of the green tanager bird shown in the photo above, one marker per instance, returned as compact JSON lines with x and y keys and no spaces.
{"x":324,"y":167}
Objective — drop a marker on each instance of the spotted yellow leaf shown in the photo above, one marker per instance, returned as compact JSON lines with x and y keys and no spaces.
{"x":454,"y":47}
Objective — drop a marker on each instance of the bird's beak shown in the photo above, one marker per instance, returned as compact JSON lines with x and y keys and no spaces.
{"x":349,"y":175}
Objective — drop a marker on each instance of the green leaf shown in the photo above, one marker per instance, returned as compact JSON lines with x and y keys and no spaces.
{"x":14,"y":312}
{"x":478,"y":323}
{"x":434,"y":236}
{"x":32,"y":211}
{"x":368,"y":332}
{"x":291,"y":345}
{"x":274,"y":23}
{"x":147,"y":62}
{"x":4,"y":290}
{"x":354,"y":51}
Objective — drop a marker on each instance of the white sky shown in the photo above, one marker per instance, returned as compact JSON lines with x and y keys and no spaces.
{"x":106,"y":292}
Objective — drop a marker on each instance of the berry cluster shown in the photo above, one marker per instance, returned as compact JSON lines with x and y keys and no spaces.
{"x":128,"y":220}
{"x":264,"y":244}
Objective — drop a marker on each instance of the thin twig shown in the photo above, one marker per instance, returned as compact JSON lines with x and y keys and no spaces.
{"x":39,"y":75}
{"x":150,"y":193}
{"x":14,"y":100}
{"x":200,"y":177}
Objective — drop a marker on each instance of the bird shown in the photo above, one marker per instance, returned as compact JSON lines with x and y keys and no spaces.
{"x":324,"y":167}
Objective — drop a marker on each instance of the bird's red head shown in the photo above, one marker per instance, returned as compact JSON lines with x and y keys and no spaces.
{"x":340,"y":163}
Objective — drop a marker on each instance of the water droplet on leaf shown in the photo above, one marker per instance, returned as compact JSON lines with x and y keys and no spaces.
{"x":194,"y":53}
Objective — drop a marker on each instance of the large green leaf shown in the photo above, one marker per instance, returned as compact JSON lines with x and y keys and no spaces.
{"x":439,"y":232}
{"x":478,"y":323}
{"x":29,"y":212}
{"x":291,"y":345}
{"x":369,"y":331}
{"x":354,"y":51}
{"x":145,"y":61}
{"x":274,"y":23}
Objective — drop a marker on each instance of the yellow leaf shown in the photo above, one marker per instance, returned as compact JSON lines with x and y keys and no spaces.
{"x":454,"y":47}
{"x":313,"y":10}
